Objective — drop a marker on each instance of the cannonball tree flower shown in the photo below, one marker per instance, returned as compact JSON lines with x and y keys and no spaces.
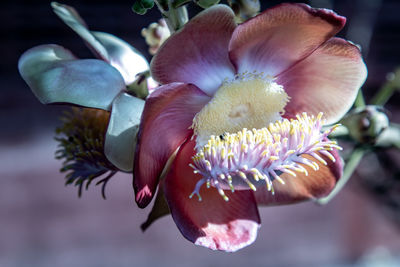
{"x":237,"y":120}
{"x":55,"y":75}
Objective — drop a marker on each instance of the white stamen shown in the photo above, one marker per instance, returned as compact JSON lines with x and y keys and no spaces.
{"x":244,"y":159}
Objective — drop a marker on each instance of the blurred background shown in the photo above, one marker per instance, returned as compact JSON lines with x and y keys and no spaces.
{"x":44,"y":223}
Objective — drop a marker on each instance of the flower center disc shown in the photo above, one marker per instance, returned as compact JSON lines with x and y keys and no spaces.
{"x":249,"y":101}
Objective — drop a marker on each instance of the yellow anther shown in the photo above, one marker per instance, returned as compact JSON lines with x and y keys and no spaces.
{"x":214,"y":152}
{"x":252,"y":187}
{"x":303,"y":136}
{"x":287,"y":166}
{"x":229,"y":178}
{"x":222,"y":193}
{"x":309,"y":164}
{"x":290,"y":152}
{"x":279,"y":179}
{"x":208,"y":164}
{"x":243,"y":175}
{"x":256,"y":177}
{"x":302,"y":170}
{"x":273,"y":158}
{"x":329,"y":155}
{"x":300,"y":146}
{"x":268,"y":183}
{"x":317,"y":149}
{"x":244,"y":148}
{"x":255,"y":171}
{"x":315,"y":165}
{"x":319,"y":117}
{"x":289,"y":172}
{"x":320,"y":159}
{"x":231,"y":187}
{"x":223,"y":153}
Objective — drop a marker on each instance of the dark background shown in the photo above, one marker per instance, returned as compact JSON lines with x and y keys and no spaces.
{"x":43,"y":223}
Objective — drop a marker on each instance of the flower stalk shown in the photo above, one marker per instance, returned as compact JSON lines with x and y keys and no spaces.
{"x":359,"y":102}
{"x":388,"y":89}
{"x":350,"y":166}
{"x":175,"y":16}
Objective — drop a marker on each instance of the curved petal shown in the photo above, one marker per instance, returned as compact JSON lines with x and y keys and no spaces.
{"x":71,"y":17}
{"x":120,"y":142}
{"x":327,"y":81}
{"x":167,"y":117}
{"x":198,"y":53}
{"x":122,"y":56}
{"x":279,"y":37}
{"x":316,"y":185}
{"x":213,"y":222}
{"x":55,"y":76}
{"x":105,"y":46}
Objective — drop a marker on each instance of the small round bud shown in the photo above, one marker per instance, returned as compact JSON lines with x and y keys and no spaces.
{"x":245,"y":9}
{"x":155,"y":34}
{"x":366,"y":124}
{"x":206,"y":3}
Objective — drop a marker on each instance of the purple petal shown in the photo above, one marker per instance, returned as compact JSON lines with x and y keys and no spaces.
{"x":167,"y":117}
{"x":213,"y":222}
{"x":280,"y":36}
{"x":198,"y":53}
{"x":326,"y":81}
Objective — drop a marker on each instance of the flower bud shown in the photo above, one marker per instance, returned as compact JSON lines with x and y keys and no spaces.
{"x":245,"y":9}
{"x":366,"y":124}
{"x":206,"y":3}
{"x":155,"y":34}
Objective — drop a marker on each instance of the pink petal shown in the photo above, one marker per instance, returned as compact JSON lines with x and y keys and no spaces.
{"x":327,"y":80}
{"x":280,"y":36}
{"x":166,"y":119}
{"x":316,"y":185}
{"x":213,"y":222}
{"x":198,"y":53}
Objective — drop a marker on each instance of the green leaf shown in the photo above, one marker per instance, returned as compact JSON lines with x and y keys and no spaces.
{"x":139,"y":8}
{"x":351,"y":165}
{"x":391,"y":85}
{"x":206,"y":3}
{"x":147,"y":3}
{"x":179,"y":3}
